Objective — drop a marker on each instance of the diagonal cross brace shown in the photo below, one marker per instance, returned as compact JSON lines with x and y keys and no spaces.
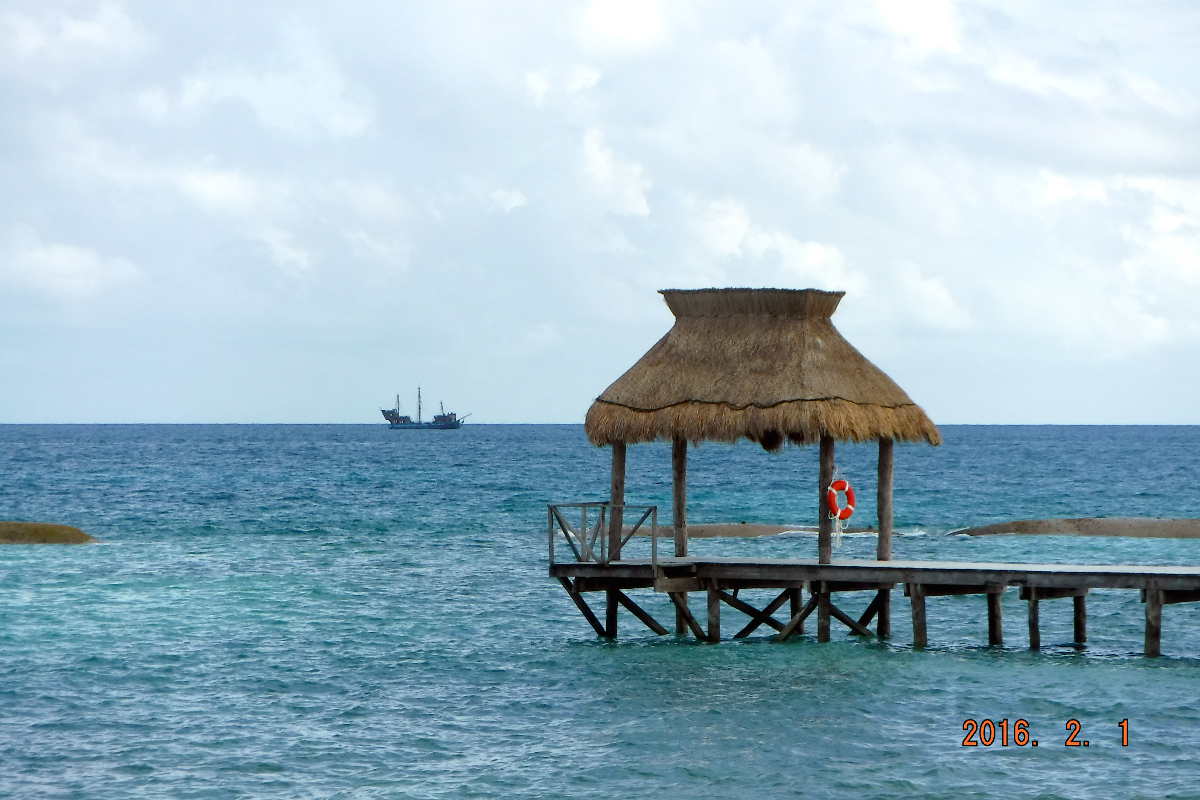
{"x":756,"y":617}
{"x":583,"y":607}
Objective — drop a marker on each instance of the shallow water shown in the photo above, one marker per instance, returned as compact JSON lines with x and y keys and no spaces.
{"x":348,"y":611}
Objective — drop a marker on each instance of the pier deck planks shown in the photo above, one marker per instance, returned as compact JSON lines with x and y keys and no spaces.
{"x":966,"y":573}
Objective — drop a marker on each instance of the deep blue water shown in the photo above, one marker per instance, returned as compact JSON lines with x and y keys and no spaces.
{"x":348,"y":611}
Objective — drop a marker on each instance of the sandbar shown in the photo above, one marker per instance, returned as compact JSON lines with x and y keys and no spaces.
{"x":714,"y":530}
{"x":1136,"y":527}
{"x":41,"y":533}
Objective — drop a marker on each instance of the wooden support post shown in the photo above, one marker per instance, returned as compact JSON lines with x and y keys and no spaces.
{"x":633,"y":608}
{"x":1154,"y":604}
{"x":822,"y":611}
{"x":1035,"y":634}
{"x":794,"y":603}
{"x":1080,"y":603}
{"x":679,"y":517}
{"x":883,"y":624}
{"x":714,"y":613}
{"x":824,"y":523}
{"x":610,"y":613}
{"x":995,"y":620}
{"x":916,"y":595}
{"x":679,"y":494}
{"x":883,"y":546}
{"x":616,"y":496}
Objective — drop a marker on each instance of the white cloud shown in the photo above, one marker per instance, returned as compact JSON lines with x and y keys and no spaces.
{"x":753,"y":255}
{"x":288,"y":255}
{"x":580,"y":78}
{"x":54,"y":38}
{"x":507,"y":200}
{"x":926,"y":26}
{"x":971,"y":176}
{"x":308,"y":96}
{"x":222,"y":191}
{"x":372,"y":198}
{"x":802,"y":264}
{"x":1165,"y":246}
{"x":575,"y":80}
{"x":1024,"y":73}
{"x":816,"y":175}
{"x":723,"y":227}
{"x":1055,"y":189}
{"x":65,"y":271}
{"x":621,"y":183}
{"x":623,"y":26}
{"x":391,"y":252}
{"x":537,"y":85}
{"x":540,"y":336}
{"x":927,"y":299}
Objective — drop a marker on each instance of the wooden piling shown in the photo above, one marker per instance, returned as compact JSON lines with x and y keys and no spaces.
{"x":616,"y":496}
{"x":1035,"y":634}
{"x":883,"y":546}
{"x":1154,"y":604}
{"x":714,"y":613}
{"x":824,"y":523}
{"x":883,"y":623}
{"x":995,"y":595}
{"x":916,"y":595}
{"x":679,"y":520}
{"x":823,"y":615}
{"x":1080,"y":603}
{"x":610,"y":613}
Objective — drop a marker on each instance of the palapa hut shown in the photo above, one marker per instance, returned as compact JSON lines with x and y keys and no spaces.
{"x":767,"y":365}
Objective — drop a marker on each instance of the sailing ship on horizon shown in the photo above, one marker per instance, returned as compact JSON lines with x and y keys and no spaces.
{"x":447,"y":420}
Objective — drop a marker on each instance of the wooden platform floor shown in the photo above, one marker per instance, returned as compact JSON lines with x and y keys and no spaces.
{"x":779,"y":571}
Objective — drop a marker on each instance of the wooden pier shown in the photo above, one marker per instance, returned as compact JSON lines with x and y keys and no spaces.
{"x":768,"y":365}
{"x":722,"y":578}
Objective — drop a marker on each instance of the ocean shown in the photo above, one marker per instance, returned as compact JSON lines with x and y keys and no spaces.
{"x":346,"y":611}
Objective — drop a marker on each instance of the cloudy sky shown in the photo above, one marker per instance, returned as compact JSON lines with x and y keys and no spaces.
{"x":283,"y":212}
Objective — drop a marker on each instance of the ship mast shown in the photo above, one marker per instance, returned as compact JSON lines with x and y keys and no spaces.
{"x":418,"y":404}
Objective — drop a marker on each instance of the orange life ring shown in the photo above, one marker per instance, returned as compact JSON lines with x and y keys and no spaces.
{"x":831,"y":499}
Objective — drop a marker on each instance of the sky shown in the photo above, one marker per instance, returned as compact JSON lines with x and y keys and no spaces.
{"x":290,"y":212}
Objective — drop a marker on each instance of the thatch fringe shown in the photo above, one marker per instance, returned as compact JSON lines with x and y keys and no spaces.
{"x":798,"y":421}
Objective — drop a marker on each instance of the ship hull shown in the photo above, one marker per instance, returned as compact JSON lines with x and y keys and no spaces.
{"x":425,"y":426}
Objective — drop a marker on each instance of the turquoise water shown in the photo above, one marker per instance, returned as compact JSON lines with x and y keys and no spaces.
{"x":348,"y":611}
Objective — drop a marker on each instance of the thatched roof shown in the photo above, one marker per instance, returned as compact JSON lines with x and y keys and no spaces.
{"x":766,"y":364}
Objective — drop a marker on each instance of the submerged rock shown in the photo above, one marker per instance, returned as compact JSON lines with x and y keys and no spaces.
{"x":41,"y":533}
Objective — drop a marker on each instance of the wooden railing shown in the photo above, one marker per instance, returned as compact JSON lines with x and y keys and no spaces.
{"x":589,"y":540}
